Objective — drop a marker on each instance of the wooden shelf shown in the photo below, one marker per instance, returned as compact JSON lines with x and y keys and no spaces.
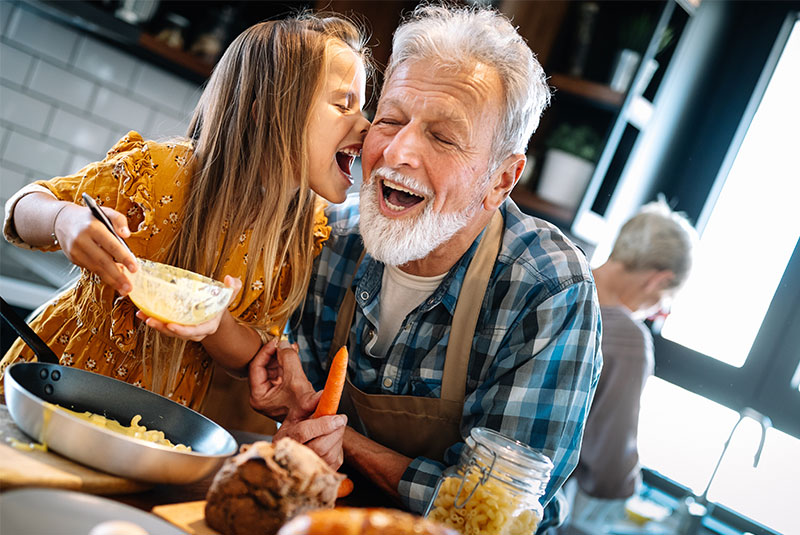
{"x":589,"y":90}
{"x":175,"y":55}
{"x":532,"y":204}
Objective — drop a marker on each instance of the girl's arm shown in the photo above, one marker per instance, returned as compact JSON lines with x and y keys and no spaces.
{"x":40,"y":220}
{"x":233,"y":345}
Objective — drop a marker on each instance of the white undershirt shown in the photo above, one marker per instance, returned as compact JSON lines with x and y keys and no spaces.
{"x":400,"y":294}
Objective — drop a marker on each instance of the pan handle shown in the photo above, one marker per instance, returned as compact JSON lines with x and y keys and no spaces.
{"x":23,"y":330}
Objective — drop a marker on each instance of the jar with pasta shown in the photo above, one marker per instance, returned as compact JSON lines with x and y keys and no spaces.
{"x":495,"y":488}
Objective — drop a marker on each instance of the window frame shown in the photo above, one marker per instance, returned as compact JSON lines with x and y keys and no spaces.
{"x":761,"y":382}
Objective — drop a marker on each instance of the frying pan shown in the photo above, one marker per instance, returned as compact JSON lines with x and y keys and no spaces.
{"x":28,"y":385}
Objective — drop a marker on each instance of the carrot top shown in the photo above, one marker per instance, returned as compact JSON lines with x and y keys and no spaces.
{"x":332,"y":393}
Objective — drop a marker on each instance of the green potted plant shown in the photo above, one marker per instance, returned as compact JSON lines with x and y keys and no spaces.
{"x":632,"y":40}
{"x":572,"y":151}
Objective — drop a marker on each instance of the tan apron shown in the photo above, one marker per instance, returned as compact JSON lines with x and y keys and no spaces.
{"x":227,"y":402}
{"x":422,"y":426}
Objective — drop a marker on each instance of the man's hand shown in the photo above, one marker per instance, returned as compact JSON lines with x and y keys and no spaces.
{"x":324,"y":435}
{"x":278,"y":385}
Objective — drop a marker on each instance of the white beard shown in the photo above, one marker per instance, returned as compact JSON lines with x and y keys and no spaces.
{"x":398,"y":241}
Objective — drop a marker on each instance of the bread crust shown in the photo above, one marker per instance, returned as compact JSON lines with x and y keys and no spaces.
{"x":266,"y":484}
{"x":367,"y":521}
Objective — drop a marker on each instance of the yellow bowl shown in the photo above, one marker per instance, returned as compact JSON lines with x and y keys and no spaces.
{"x":175,"y":295}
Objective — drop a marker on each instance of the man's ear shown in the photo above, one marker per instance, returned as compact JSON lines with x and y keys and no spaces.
{"x":504,"y":180}
{"x":660,"y":280}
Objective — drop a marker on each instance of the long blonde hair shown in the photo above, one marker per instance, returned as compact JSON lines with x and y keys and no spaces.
{"x":250,"y":155}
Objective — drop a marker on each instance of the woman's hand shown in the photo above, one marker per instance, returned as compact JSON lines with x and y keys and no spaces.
{"x":195,"y":333}
{"x":87,"y":243}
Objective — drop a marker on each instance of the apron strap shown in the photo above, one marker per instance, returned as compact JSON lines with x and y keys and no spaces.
{"x":468,"y":308}
{"x":465,"y":317}
{"x":344,"y":319}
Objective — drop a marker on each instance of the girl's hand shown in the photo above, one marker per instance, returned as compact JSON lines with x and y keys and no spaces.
{"x":88,"y":244}
{"x":199,"y":332}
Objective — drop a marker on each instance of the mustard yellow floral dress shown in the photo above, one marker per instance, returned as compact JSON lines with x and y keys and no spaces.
{"x":90,"y":326}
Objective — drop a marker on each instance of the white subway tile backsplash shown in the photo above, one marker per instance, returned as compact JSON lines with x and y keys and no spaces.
{"x":191,"y":100}
{"x":14,"y":64}
{"x":163,"y":88}
{"x":10,"y":181}
{"x":128,"y":113}
{"x":79,"y":161}
{"x":42,"y":35}
{"x":36,"y":154}
{"x":6,"y":8}
{"x":105,"y":63}
{"x":23,"y":110}
{"x":61,"y":85}
{"x":166,"y":125}
{"x":79,"y":132}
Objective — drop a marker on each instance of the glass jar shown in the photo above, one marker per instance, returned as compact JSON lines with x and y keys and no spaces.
{"x":495,"y":488}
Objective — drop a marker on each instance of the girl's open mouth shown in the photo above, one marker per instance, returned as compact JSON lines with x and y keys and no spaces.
{"x":345,"y":159}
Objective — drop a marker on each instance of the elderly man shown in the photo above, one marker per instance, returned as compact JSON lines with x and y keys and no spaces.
{"x":649,"y":263}
{"x":459,"y":311}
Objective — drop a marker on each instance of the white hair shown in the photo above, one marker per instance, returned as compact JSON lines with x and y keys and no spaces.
{"x":460,"y":36}
{"x":656,"y":238}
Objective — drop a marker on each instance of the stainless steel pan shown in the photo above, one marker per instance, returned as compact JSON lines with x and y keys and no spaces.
{"x":28,"y":385}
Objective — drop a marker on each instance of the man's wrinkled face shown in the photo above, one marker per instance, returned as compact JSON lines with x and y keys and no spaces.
{"x":426,"y":158}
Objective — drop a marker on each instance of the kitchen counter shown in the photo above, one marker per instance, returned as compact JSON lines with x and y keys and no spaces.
{"x":186,"y":499}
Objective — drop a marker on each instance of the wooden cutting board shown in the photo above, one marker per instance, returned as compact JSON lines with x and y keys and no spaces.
{"x":188,"y":516}
{"x":20,"y":467}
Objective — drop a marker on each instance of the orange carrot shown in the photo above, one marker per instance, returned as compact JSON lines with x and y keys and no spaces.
{"x":345,"y":488}
{"x":328,"y":402}
{"x":332,"y":393}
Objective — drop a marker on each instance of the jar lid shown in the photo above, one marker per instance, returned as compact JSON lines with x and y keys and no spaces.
{"x":510,"y":460}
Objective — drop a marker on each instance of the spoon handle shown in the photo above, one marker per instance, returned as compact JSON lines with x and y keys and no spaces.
{"x":100,"y":216}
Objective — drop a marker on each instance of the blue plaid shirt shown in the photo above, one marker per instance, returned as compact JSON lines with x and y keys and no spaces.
{"x":537,"y":341}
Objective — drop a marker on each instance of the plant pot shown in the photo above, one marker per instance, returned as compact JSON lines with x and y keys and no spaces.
{"x":625,"y":66}
{"x":564,"y":178}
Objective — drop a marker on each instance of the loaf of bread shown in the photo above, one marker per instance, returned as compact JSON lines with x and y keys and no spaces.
{"x":354,"y":521}
{"x":266,"y":484}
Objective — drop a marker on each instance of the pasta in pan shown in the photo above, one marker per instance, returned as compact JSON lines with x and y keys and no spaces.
{"x":492,"y":509}
{"x":134,"y":430}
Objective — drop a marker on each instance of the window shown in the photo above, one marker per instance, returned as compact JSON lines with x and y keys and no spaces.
{"x":733,"y":339}
{"x":755,"y":213}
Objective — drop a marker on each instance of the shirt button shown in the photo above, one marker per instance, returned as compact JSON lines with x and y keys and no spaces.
{"x":364,"y":295}
{"x":371,"y":334}
{"x":387,"y":382}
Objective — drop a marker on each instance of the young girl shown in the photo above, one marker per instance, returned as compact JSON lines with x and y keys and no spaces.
{"x":280,"y":114}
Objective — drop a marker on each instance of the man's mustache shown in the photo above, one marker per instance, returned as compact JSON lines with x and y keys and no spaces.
{"x":401,"y":179}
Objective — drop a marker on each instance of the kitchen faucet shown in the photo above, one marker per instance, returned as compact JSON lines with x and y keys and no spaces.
{"x":695,"y":510}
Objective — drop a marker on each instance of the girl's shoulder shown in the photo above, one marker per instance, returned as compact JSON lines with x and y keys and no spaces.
{"x":171,"y":152}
